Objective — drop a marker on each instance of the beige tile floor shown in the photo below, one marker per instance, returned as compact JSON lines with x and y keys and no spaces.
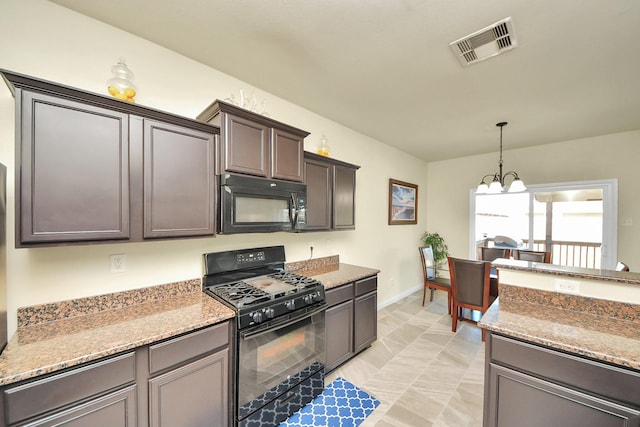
{"x":422,"y":373}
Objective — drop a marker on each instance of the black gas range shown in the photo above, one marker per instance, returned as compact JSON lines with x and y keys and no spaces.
{"x":279,"y":343}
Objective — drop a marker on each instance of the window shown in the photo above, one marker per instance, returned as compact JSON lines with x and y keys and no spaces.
{"x":576,"y":221}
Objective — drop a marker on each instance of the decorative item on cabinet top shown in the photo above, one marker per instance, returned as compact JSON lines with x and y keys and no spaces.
{"x":323,"y":149}
{"x":211,"y":114}
{"x":97,"y":195}
{"x":121,"y":85}
{"x":252,"y":144}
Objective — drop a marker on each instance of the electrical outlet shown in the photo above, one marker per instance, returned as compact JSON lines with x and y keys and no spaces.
{"x":567,"y":286}
{"x":118,"y":263}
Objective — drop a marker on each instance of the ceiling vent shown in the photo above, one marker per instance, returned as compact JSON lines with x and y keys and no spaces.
{"x":490,"y":41}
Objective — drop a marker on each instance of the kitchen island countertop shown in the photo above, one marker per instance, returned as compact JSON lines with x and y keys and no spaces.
{"x":592,"y":327}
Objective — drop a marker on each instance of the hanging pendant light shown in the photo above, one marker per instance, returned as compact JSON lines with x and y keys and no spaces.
{"x":497,"y":183}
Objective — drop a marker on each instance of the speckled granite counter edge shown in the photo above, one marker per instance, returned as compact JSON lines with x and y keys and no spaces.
{"x":314,"y":266}
{"x":330,"y":271}
{"x":576,"y":272}
{"x":346,"y":273}
{"x":49,"y":312}
{"x":561,"y":322}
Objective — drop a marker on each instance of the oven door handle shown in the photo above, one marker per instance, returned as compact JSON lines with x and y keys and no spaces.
{"x":271,"y":326}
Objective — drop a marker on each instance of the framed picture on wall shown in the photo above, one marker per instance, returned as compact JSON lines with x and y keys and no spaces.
{"x":403,"y":202}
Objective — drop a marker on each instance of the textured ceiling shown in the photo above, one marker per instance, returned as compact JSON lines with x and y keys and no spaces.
{"x":385,"y":69}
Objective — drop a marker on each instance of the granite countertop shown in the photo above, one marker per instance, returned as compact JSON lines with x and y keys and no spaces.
{"x":345,"y":273}
{"x":596,"y":329}
{"x":56,"y":336}
{"x":563,"y":270}
{"x":330,"y":271}
{"x":51,"y":337}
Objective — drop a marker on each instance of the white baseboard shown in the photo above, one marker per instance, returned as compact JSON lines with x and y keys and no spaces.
{"x":398,"y":297}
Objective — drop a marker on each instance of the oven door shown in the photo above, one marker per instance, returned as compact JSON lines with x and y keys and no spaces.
{"x":277,"y":356}
{"x":250,"y":205}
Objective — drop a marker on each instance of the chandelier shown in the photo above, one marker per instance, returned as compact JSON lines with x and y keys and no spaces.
{"x":497,"y":184}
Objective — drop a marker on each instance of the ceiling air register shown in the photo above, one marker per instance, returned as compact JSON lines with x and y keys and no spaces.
{"x":486,"y":43}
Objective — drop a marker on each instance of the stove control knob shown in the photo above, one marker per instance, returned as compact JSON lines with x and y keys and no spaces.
{"x":290,"y":305}
{"x":268,"y":313}
{"x":317,"y":296}
{"x":308,"y":299}
{"x":256,"y":317}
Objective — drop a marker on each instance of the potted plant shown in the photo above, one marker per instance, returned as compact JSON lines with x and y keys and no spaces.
{"x":438,"y":246}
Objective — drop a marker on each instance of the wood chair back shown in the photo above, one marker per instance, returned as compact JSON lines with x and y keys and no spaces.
{"x":533,"y":256}
{"x":490,"y":254}
{"x":470,"y":285}
{"x":430,"y":281}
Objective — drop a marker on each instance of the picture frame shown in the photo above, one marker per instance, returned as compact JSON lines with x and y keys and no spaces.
{"x":403,"y":202}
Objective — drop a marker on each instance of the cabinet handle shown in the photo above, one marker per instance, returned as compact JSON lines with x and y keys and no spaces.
{"x":290,"y":395}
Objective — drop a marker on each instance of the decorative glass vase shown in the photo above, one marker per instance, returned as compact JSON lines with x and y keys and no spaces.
{"x":121,"y":85}
{"x":323,"y":149}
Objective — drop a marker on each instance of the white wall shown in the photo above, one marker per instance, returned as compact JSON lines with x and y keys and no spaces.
{"x":44,"y":40}
{"x":599,"y":157}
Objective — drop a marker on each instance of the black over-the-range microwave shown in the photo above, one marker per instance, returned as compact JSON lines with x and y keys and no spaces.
{"x":258,"y":205}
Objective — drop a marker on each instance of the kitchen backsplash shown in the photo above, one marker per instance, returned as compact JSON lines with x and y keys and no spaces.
{"x":43,"y":313}
{"x":314,"y":266}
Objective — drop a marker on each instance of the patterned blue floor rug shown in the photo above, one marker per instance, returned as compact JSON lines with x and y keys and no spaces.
{"x":341,"y":404}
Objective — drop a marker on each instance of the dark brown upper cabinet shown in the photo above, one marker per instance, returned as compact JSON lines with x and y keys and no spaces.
{"x":331,"y":193}
{"x":254,"y":144}
{"x":74,"y":163}
{"x":91,"y":168}
{"x":179,"y":181}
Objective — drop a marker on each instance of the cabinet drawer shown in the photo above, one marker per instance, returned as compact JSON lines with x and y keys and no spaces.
{"x":52,"y":392}
{"x":366,"y":285}
{"x":179,"y":350}
{"x":610,"y":381}
{"x":337,"y":295}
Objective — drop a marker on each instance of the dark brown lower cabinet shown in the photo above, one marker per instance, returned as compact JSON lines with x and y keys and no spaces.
{"x":117,"y":409}
{"x":339,"y":334}
{"x":351,"y":320}
{"x":530,"y":385}
{"x":183,"y":381}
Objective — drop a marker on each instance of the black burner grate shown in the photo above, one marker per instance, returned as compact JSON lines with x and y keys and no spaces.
{"x":301,"y":282}
{"x":240,"y":294}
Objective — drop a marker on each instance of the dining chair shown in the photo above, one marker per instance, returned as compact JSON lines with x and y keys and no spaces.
{"x":470,"y":286}
{"x":621,"y":266}
{"x":490,"y":254}
{"x":430,"y":281}
{"x":533,"y":256}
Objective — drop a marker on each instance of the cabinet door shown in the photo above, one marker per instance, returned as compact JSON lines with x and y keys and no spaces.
{"x":365,"y":320}
{"x":339,"y":334}
{"x":179,"y":181}
{"x":113,"y":410}
{"x":318,"y":177}
{"x":287,"y":155}
{"x":344,"y":197}
{"x":63,"y":390}
{"x":245,"y":145}
{"x":193,"y":395}
{"x":73,"y":171}
{"x":522,"y":400}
